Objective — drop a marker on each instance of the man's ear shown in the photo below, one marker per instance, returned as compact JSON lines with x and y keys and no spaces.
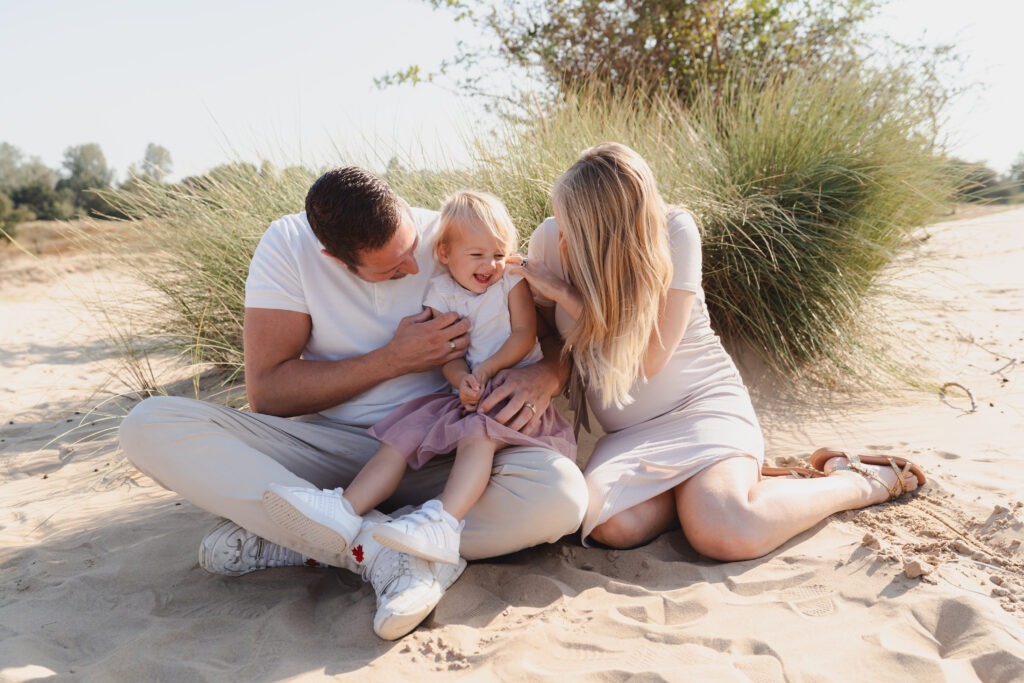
{"x":336,"y":259}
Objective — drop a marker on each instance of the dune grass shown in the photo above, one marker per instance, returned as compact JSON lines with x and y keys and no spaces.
{"x":805,"y":191}
{"x":192,"y":243}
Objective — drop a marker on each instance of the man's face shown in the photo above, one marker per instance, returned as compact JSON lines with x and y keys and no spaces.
{"x":394,"y":260}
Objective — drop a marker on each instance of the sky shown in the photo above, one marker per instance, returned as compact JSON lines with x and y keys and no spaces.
{"x":218,"y":81}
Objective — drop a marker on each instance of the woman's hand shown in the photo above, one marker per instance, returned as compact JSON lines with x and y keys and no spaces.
{"x":548,"y":285}
{"x":528,"y":392}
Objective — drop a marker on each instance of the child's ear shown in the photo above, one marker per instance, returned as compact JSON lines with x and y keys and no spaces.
{"x":442,"y":253}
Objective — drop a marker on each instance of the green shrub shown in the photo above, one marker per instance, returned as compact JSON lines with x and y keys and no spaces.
{"x":805,"y":190}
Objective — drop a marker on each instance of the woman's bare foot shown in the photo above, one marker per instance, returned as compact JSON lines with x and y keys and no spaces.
{"x":874,"y":489}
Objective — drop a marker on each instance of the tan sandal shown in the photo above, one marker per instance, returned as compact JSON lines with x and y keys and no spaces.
{"x":795,"y":472}
{"x":856,"y":463}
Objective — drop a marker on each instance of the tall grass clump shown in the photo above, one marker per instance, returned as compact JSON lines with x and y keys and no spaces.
{"x":192,"y":243}
{"x":805,"y":190}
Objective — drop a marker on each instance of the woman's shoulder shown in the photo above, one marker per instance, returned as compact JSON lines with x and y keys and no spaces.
{"x":547,"y":230}
{"x":682,"y":227}
{"x":544,"y":240}
{"x":680,"y":218}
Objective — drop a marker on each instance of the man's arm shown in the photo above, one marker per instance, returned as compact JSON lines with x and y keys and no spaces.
{"x":279,"y":382}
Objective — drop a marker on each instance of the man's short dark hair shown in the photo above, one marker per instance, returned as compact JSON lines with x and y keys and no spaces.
{"x":351,"y":211}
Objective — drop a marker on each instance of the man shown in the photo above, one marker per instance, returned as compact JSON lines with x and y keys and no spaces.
{"x":335,"y":338}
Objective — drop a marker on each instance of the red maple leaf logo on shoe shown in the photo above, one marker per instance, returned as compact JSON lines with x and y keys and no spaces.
{"x":310,"y":562}
{"x":357,"y":552}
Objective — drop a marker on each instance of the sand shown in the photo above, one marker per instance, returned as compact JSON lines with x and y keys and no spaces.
{"x":99,"y":579}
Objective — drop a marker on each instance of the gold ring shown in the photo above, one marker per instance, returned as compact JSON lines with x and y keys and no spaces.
{"x":530,"y":406}
{"x":451,"y":345}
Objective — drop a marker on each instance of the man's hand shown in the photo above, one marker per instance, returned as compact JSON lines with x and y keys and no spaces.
{"x":528,"y":391}
{"x":422,"y":342}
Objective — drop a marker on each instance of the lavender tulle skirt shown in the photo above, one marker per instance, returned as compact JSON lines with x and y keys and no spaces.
{"x":434,"y":424}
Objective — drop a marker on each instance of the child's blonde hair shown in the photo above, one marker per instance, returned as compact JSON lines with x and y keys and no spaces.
{"x":476,"y":208}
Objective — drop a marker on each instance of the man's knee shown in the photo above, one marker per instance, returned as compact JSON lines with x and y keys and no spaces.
{"x":571,"y":496}
{"x":535,"y":496}
{"x":139,"y":428}
{"x":551,"y":483}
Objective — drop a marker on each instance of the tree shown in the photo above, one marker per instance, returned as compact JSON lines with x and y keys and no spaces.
{"x":976,"y":182}
{"x":31,"y":187}
{"x":10,"y":163}
{"x":155,"y":166}
{"x":86,"y":171}
{"x":11,"y":215}
{"x":669,"y":45}
{"x":1016,"y":174}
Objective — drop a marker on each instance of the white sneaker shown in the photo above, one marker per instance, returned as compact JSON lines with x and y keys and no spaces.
{"x":322,"y":518}
{"x":230,"y":550}
{"x":407,"y":589}
{"x":427,"y":532}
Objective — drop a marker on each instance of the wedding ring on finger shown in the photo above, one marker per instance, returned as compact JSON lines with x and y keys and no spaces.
{"x":530,"y":406}
{"x":523,"y":262}
{"x":451,"y":345}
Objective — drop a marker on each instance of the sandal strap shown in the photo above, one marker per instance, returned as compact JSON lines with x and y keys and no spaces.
{"x":855,"y":464}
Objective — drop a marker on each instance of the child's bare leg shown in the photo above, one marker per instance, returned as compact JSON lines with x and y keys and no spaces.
{"x":469,"y":476}
{"x":377,"y":480}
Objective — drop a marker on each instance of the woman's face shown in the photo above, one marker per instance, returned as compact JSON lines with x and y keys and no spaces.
{"x":475,"y":258}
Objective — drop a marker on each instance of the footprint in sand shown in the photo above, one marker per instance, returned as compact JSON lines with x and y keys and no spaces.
{"x":812,"y":600}
{"x":664,"y":612}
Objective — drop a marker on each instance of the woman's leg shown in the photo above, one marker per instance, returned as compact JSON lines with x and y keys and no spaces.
{"x":728,"y":512}
{"x":640,"y":524}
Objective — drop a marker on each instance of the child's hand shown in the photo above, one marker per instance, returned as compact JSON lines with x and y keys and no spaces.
{"x":482,"y":376}
{"x":469,"y":392}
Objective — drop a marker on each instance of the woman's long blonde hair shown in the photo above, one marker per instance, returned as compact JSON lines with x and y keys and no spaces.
{"x":613,"y":222}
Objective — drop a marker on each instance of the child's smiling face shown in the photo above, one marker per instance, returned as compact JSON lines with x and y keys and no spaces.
{"x":474,"y":256}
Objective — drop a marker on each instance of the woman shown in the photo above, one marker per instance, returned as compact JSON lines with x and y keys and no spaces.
{"x":619,"y":275}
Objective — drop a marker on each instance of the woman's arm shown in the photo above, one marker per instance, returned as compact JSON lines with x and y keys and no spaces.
{"x":673,"y":318}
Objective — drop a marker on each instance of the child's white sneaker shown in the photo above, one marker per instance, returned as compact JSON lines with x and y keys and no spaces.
{"x":428,"y":532}
{"x":322,"y":518}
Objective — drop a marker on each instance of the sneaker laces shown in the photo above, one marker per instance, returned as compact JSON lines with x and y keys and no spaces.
{"x":392,"y":572}
{"x":270,"y":554}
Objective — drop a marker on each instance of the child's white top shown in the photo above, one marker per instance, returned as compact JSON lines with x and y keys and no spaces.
{"x":487,"y":312}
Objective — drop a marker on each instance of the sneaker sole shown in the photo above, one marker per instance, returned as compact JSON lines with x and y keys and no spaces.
{"x":283,"y":512}
{"x":396,"y":540}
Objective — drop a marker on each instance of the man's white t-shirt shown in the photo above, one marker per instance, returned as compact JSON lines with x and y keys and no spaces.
{"x":351,"y":317}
